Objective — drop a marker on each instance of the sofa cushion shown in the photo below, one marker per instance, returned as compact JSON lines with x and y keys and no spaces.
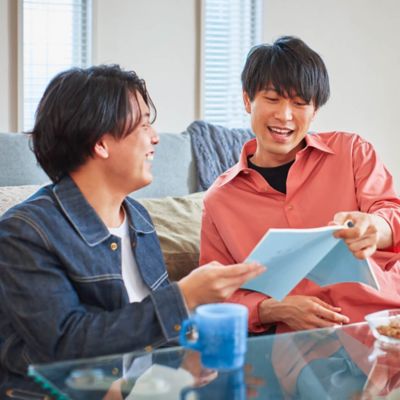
{"x":173,"y":168}
{"x":12,"y":195}
{"x":17,"y":162}
{"x":178,"y":222}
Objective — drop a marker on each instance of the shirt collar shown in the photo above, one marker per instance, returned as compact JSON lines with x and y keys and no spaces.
{"x":84,"y":218}
{"x":241,"y":167}
{"x":315,"y":140}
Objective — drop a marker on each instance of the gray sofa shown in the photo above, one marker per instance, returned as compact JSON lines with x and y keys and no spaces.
{"x":173,"y":168}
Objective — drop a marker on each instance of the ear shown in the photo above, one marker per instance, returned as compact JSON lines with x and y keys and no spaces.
{"x":247,"y":102}
{"x":101,"y":149}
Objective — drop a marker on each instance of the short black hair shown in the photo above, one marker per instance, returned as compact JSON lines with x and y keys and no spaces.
{"x":290,"y":67}
{"x":78,"y":107}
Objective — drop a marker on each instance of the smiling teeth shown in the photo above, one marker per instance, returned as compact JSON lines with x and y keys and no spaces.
{"x":280,"y":131}
{"x":149,"y":157}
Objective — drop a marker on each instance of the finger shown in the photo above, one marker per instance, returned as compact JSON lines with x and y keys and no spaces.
{"x":365,"y":253}
{"x":323,"y":323}
{"x":252,"y":274}
{"x":361,"y":244}
{"x":360,"y":224}
{"x":340,"y":218}
{"x":241,"y":269}
{"x":372,"y":237}
{"x":326,"y":305}
{"x":352,"y":233}
{"x":231,"y":283}
{"x":332,"y":316}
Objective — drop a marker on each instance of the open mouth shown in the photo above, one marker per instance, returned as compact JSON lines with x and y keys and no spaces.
{"x":284,"y":132}
{"x":150,"y":156}
{"x":280,"y":135}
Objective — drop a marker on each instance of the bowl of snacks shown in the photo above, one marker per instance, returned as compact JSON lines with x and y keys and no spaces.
{"x":385,"y":325}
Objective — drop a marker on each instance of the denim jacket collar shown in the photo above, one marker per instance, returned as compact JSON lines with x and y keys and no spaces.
{"x":84,"y":218}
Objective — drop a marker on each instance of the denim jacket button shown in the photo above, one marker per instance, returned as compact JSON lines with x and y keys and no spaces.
{"x":113,"y":246}
{"x":148,"y":349}
{"x":177,"y":327}
{"x":133,"y":244}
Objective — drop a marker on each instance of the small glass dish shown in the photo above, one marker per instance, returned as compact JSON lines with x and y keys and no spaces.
{"x":385,"y":325}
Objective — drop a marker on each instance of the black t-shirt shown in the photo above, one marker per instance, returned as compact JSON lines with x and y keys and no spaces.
{"x":275,"y":176}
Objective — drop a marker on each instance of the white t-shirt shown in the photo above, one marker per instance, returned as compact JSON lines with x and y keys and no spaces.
{"x":135,"y":286}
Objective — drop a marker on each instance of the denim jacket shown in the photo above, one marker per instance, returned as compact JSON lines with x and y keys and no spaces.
{"x":61,"y":290}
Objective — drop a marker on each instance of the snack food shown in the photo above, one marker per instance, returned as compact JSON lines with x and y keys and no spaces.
{"x":392,"y":329}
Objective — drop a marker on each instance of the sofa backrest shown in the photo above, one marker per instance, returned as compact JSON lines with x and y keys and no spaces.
{"x":173,"y":167}
{"x":17,"y":162}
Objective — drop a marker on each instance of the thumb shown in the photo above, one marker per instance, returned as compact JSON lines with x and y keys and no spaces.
{"x":340,"y":218}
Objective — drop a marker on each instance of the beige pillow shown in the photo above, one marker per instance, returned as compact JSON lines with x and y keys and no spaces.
{"x":178,"y":222}
{"x":12,"y":195}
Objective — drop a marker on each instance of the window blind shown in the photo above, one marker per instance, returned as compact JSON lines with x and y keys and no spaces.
{"x":56,"y":36}
{"x":230,"y":29}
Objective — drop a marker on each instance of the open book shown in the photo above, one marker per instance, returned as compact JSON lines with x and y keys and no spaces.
{"x":293,"y":254}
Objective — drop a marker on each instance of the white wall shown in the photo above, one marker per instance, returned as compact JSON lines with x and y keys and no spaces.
{"x":157,"y":39}
{"x":359,"y":42}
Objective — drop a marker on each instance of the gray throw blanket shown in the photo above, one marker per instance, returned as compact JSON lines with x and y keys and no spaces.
{"x":215,"y":149}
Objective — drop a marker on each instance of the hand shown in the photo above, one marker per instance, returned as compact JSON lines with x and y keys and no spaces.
{"x":369,"y":233}
{"x":302,"y":312}
{"x":215,"y":282}
{"x":114,"y":392}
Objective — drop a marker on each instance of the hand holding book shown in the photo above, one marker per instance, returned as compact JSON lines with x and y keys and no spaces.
{"x":368,"y":233}
{"x":315,"y":254}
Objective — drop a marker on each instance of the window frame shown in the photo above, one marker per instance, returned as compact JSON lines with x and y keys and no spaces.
{"x":202,"y":72}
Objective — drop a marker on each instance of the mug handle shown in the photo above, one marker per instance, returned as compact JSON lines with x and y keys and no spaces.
{"x":191,"y":344}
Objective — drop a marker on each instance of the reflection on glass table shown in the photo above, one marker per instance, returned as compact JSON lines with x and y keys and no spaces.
{"x":335,"y":363}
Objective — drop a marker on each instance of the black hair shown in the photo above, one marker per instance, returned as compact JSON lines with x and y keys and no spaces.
{"x":290,"y":67}
{"x":78,"y":107}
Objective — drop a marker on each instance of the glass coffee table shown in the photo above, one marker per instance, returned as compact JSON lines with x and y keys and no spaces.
{"x":335,"y":363}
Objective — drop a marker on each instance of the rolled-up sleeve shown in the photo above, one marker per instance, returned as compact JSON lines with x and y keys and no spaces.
{"x":375,"y":188}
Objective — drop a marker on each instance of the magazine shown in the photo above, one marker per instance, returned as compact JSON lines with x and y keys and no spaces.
{"x":293,"y":254}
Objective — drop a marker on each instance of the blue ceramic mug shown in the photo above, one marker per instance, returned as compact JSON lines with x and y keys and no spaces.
{"x":219,"y":333}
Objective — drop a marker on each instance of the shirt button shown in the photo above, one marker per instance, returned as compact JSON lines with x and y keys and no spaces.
{"x":148,"y":348}
{"x":290,"y":207}
{"x":113,"y":246}
{"x":177,"y":327}
{"x":246,"y":172}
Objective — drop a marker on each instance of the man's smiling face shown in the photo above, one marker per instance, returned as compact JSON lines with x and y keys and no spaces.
{"x":280,"y":124}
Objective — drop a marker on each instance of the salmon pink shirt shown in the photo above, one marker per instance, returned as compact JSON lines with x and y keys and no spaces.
{"x":334,"y":172}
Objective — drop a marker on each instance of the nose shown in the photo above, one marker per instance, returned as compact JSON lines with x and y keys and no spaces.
{"x":283,"y":111}
{"x":154,"y":136}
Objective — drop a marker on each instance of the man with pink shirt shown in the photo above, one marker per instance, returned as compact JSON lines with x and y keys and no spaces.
{"x":286,"y":178}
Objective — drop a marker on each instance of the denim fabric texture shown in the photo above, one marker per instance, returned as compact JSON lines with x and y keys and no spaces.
{"x":61,"y":290}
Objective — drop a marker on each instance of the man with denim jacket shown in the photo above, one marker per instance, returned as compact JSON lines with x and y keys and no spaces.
{"x":81,"y":270}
